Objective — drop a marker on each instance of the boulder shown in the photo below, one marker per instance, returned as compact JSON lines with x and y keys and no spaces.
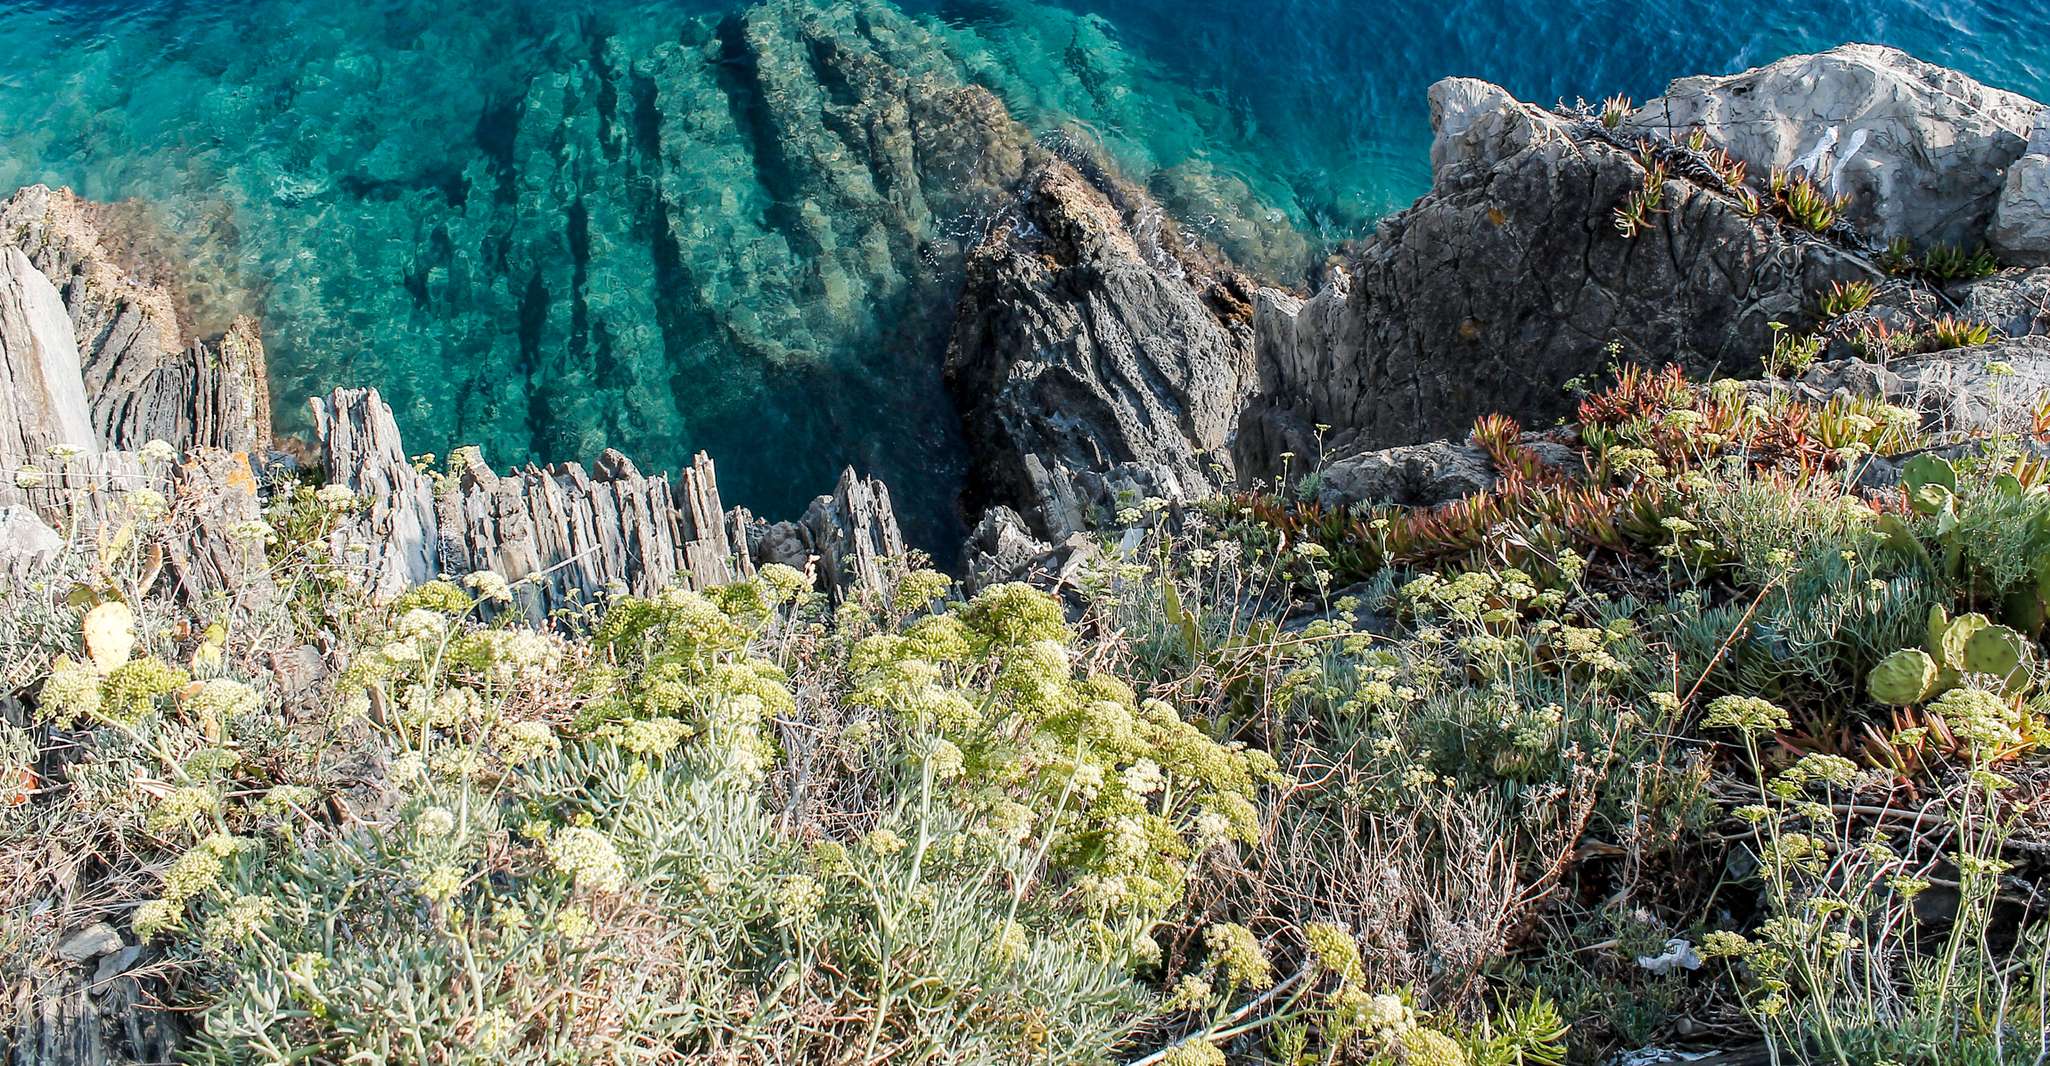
{"x":2015,"y":302}
{"x":1509,"y":278}
{"x":1922,"y":151}
{"x":1001,"y":549}
{"x":2021,"y":219}
{"x":1415,"y":475}
{"x":1093,"y":338}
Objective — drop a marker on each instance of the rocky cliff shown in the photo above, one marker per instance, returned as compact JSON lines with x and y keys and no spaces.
{"x":1096,"y":351}
{"x":1514,"y":274}
{"x":1510,"y":278}
{"x":146,"y":374}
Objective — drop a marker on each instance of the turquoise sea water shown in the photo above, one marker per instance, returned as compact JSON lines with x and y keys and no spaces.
{"x":546,"y":227}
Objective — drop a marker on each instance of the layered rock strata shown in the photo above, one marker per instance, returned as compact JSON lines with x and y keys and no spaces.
{"x":564,"y":536}
{"x":146,"y":375}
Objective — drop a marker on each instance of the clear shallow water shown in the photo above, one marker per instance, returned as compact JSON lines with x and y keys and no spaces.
{"x":548,"y":227}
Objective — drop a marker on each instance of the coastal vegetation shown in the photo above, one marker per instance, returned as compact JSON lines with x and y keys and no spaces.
{"x":1700,"y":734}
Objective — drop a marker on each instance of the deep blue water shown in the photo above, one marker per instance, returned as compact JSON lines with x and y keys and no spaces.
{"x":547,"y":227}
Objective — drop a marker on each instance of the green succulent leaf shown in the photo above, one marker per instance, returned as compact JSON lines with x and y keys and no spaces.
{"x":1926,"y":469}
{"x":1947,"y":643}
{"x":2001,"y":652}
{"x":1906,"y":677}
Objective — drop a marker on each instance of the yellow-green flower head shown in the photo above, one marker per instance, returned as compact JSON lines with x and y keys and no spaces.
{"x":1235,"y":953}
{"x":490,"y":586}
{"x":882,"y":841}
{"x":238,"y":922}
{"x":1724,"y":944}
{"x":1335,"y":950}
{"x":588,"y":857}
{"x":1829,"y":769}
{"x":921,"y":587}
{"x":520,"y":743}
{"x":420,"y":623}
{"x":798,"y":900}
{"x":783,"y":584}
{"x":1010,"y":942}
{"x":1429,"y":1047}
{"x":442,"y":882}
{"x":944,"y":758}
{"x":129,"y":694}
{"x":1978,"y":718}
{"x":434,"y":823}
{"x":1194,"y":1051}
{"x":574,"y":923}
{"x":1747,"y":714}
{"x":155,"y":916}
{"x":178,"y":808}
{"x":220,"y":699}
{"x":1014,"y":614}
{"x":653,"y":736}
{"x":70,"y":694}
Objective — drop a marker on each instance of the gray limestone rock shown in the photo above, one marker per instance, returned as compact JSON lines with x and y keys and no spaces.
{"x":1415,"y":475}
{"x":1923,"y":151}
{"x":42,"y":392}
{"x":2015,"y":302}
{"x":1093,"y":338}
{"x":146,"y":376}
{"x":2021,"y":220}
{"x":1510,"y":278}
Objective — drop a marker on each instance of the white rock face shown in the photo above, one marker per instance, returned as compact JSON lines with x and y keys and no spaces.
{"x":2021,"y":221}
{"x":1923,"y":151}
{"x":42,"y":392}
{"x":1469,"y":120}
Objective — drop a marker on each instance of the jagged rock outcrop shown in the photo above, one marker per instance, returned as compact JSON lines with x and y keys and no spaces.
{"x":58,"y":471}
{"x":2021,"y":218}
{"x":560,"y":534}
{"x":1923,"y":151}
{"x":146,"y":376}
{"x":1509,"y":278}
{"x":848,"y":538}
{"x":94,"y":1013}
{"x":1095,"y":349}
{"x":42,"y":393}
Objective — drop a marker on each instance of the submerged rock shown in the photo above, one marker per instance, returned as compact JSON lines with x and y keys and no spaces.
{"x":1922,"y":151}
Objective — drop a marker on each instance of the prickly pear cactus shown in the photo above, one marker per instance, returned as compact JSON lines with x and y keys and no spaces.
{"x":1906,"y":677}
{"x":1948,"y":636}
{"x":2000,"y":652}
{"x":1930,"y":483}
